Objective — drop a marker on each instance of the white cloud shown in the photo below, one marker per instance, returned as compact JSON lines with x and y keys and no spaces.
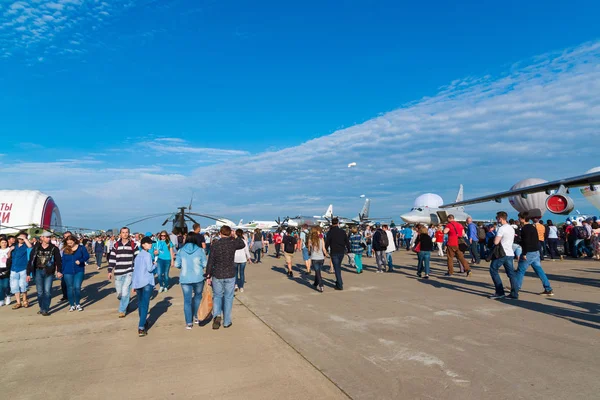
{"x":27,"y":25}
{"x":542,"y":119}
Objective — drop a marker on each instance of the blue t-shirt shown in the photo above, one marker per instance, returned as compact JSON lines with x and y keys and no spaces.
{"x":19,"y":258}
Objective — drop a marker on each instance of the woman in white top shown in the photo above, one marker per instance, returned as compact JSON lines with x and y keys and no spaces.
{"x":596,"y":239}
{"x":552,"y":239}
{"x":242,"y":257}
{"x":316,"y":246}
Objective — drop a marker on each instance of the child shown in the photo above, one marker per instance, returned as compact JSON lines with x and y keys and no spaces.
{"x":143,"y":283}
{"x":4,"y":272}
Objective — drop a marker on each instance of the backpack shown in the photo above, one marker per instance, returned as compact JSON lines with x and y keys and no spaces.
{"x":481,"y":233}
{"x":131,"y":242}
{"x":289,"y":245}
{"x":383,"y":239}
{"x":581,"y":232}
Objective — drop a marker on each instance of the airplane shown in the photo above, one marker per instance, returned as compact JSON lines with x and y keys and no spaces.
{"x":262,"y":225}
{"x":435,"y":213}
{"x":316,"y":220}
{"x":557,"y":202}
{"x":224,"y":221}
{"x":362,"y":218}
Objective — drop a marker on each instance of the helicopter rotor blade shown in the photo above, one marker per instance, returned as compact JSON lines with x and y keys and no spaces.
{"x":147,"y":217}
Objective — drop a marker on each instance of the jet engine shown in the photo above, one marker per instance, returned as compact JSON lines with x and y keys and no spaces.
{"x":560,"y":204}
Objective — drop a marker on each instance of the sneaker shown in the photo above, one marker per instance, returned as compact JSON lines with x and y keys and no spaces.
{"x":497,"y":296}
{"x":419,"y":274}
{"x":165,"y":290}
{"x":78,"y":308}
{"x":188,"y":327}
{"x":241,"y":290}
{"x":547,"y":293}
{"x":119,"y":296}
{"x":45,"y":314}
{"x":228,"y":326}
{"x":321,"y":289}
{"x":196,"y":321}
{"x":217,"y":323}
{"x":63,"y":299}
{"x":1,"y":303}
{"x":72,"y":308}
{"x":469,"y":273}
{"x":447,"y":274}
{"x":426,"y":277}
{"x":142,"y":332}
{"x":236,"y":288}
{"x":511,"y":297}
{"x":7,"y":301}
{"x":121,"y":315}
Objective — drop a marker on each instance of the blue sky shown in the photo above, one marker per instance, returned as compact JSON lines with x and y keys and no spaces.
{"x":106,"y":103}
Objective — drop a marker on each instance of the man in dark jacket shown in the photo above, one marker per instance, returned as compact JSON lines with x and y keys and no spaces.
{"x":531,"y":255}
{"x":44,"y":262}
{"x":380,"y":246}
{"x":338,"y":244}
{"x":221,"y":273}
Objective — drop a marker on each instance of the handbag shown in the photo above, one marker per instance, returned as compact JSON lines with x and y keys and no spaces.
{"x":417,"y":248}
{"x":462,"y":243}
{"x":206,"y":304}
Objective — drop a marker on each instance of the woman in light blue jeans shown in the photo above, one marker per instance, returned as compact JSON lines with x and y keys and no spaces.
{"x":191,"y":261}
{"x":242,"y":257}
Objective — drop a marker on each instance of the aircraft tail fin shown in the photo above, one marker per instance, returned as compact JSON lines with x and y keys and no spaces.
{"x":460,"y":196}
{"x":364,"y":213}
{"x":241,"y":222}
{"x":329,"y":212}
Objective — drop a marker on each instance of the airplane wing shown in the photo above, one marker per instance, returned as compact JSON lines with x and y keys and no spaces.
{"x":575,"y":181}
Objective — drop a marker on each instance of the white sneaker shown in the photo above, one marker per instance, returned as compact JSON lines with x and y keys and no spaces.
{"x":1,"y":303}
{"x":241,"y":290}
{"x":7,"y":301}
{"x":78,"y":307}
{"x":72,"y":308}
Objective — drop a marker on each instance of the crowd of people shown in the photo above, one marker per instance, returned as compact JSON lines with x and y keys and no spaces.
{"x":141,"y":263}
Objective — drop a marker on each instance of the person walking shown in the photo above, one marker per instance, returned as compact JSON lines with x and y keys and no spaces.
{"x":531,"y":255}
{"x":191,"y":261}
{"x":257,"y":245}
{"x":242,"y":257}
{"x":317,"y":257}
{"x":356,"y":249}
{"x":120,"y":264}
{"x":18,"y":270}
{"x":98,"y":251}
{"x":390,"y":248}
{"x":221,"y":272}
{"x":277,"y":239}
{"x":380,"y":244}
{"x":337,"y":244}
{"x":473,"y":239}
{"x":142,"y":281}
{"x":503,"y":248}
{"x":45,"y":261}
{"x":73,"y":270}
{"x":289,"y":248}
{"x":552,"y":240}
{"x":424,"y":255}
{"x":439,"y":240}
{"x":454,"y":230}
{"x":304,"y":234}
{"x":369,"y":241}
{"x":163,"y":251}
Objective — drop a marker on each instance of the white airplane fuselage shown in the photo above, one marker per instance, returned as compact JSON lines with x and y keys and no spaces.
{"x":426,"y":215}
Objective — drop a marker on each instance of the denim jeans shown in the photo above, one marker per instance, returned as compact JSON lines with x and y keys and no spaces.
{"x":423,"y":257}
{"x":318,"y":267}
{"x":123,"y":286}
{"x":336,"y":260}
{"x":474,"y":248}
{"x":533,"y":259}
{"x":98,"y":259}
{"x":407,"y":243}
{"x":163,"y":272}
{"x":369,"y":250}
{"x":542,"y":248}
{"x":482,"y":252}
{"x":223,"y":290}
{"x":4,"y":288}
{"x":380,"y":259}
{"x":518,"y":250}
{"x":580,"y":248}
{"x":18,"y":282}
{"x":43,"y":284}
{"x":358,"y":262}
{"x":74,"y":282}
{"x":507,"y":262}
{"x":143,"y":295}
{"x":192,"y":295}
{"x":257,"y":255}
{"x":241,"y":274}
{"x":389,"y":262}
{"x":553,"y":247}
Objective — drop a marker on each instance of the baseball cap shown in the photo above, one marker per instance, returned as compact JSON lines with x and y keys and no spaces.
{"x":148,"y":234}
{"x":46,"y":234}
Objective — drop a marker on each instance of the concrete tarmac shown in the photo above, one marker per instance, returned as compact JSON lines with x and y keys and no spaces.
{"x":386,"y":336}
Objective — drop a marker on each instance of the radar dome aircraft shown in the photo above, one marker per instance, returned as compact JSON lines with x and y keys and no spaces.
{"x":428,"y":209}
{"x":536,"y":195}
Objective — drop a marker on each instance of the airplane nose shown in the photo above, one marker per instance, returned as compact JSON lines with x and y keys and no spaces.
{"x":406,"y":217}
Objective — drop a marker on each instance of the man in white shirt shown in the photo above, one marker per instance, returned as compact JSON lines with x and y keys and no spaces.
{"x":390,"y":249}
{"x":505,"y":236}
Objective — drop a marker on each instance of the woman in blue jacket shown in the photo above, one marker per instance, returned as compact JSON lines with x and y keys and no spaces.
{"x":191,"y":259}
{"x":73,"y":263}
{"x":163,"y":253}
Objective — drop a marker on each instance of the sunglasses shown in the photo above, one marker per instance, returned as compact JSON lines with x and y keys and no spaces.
{"x":163,"y":235}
